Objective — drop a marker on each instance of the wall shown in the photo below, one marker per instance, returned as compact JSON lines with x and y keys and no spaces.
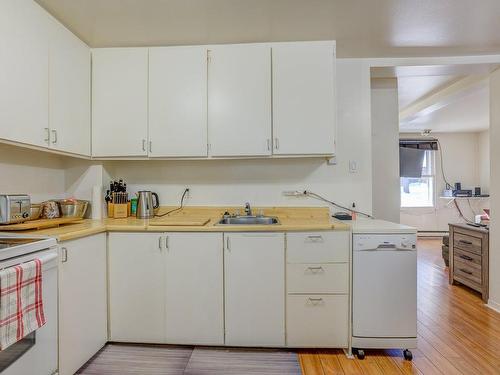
{"x":260,"y":181}
{"x":385,"y":150}
{"x":484,"y":161}
{"x":494,"y":274}
{"x":25,"y":171}
{"x":462,"y":163}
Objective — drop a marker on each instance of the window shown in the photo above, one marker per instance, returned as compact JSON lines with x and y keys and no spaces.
{"x":419,"y":192}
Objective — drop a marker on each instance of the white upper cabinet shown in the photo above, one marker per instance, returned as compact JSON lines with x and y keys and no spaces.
{"x":119,"y":102}
{"x":24,"y":65}
{"x":304,"y":109}
{"x":239,"y":100}
{"x":69,"y":92}
{"x":178,"y":102}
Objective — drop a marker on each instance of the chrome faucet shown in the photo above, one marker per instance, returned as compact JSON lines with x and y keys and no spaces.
{"x":248,"y":209}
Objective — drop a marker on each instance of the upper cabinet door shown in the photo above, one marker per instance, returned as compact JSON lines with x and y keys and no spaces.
{"x":69,"y":92}
{"x":24,"y":38}
{"x":178,"y":102}
{"x":119,"y":102}
{"x":304,"y":109}
{"x":239,"y":100}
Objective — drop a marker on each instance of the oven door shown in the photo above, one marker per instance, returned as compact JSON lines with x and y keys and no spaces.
{"x":37,"y":352}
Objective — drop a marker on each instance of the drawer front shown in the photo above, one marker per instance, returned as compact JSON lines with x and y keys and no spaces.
{"x":317,"y":321}
{"x":472,"y":259}
{"x":318,"y":247}
{"x":468,"y":243}
{"x":317,"y":278}
{"x":466,"y":270}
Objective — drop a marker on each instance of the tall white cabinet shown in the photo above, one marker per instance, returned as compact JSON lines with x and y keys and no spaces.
{"x":254,"y":271}
{"x":119,"y":102}
{"x":82,"y":301}
{"x":24,"y":66}
{"x":69,"y":92}
{"x":304,"y":114}
{"x":239,"y":100}
{"x":178,"y":101}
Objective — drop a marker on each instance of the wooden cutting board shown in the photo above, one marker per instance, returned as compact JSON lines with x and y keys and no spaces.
{"x":39,"y":224}
{"x":180,"y":221}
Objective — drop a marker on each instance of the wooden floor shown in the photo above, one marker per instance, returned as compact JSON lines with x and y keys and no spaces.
{"x":457,"y":334}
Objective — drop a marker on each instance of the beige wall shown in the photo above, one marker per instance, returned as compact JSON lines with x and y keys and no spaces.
{"x":385,"y":149}
{"x":463,"y":162}
{"x":484,"y":160}
{"x":495,"y":185}
{"x":37,"y":173}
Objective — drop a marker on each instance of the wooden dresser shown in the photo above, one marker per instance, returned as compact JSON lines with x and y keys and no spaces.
{"x":469,"y":257}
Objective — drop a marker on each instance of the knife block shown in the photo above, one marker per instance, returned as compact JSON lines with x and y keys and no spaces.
{"x":120,"y":211}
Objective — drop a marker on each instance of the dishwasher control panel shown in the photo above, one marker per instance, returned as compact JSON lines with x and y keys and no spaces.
{"x":384,"y":241}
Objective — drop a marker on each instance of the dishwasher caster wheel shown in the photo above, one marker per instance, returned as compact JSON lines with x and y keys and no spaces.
{"x":407,"y":354}
{"x":361,"y":354}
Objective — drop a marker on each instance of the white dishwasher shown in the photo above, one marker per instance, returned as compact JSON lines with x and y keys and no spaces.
{"x":384,"y":305}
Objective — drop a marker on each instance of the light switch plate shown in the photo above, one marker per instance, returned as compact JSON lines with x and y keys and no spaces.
{"x":353,"y":166}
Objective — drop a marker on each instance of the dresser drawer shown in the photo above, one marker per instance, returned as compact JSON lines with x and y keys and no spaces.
{"x":474,"y":260}
{"x":466,"y":242}
{"x":467,"y":270}
{"x":317,"y":247}
{"x":317,"y":321}
{"x":317,"y":278}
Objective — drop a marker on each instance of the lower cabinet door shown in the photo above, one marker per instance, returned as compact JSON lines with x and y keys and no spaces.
{"x":82,"y":301}
{"x":317,"y":320}
{"x":254,"y":266}
{"x":194,"y":306}
{"x":136,"y":287}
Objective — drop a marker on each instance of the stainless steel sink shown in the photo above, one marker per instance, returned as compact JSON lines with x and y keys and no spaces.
{"x":248,"y":220}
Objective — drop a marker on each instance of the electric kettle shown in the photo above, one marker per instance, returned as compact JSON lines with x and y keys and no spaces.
{"x":145,"y":205}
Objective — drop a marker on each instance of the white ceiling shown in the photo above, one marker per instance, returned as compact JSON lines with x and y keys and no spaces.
{"x":362,"y":28}
{"x":411,"y":89}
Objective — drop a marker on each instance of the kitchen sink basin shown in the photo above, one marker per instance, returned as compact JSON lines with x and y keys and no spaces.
{"x":249,"y":220}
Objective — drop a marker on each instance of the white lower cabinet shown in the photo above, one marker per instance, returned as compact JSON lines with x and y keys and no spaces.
{"x":82,"y":301}
{"x":136,"y":287}
{"x":317,"y":307}
{"x":194,"y":305}
{"x":166,"y":288}
{"x":254,"y":265}
{"x":317,"y":320}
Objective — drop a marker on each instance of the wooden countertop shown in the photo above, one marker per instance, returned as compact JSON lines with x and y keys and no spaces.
{"x":291,"y":219}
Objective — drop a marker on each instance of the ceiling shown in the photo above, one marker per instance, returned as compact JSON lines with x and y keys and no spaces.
{"x":362,"y":28}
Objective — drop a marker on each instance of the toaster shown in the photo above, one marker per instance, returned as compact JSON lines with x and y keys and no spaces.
{"x":14,"y":208}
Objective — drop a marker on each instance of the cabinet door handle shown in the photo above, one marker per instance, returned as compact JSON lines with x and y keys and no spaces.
{"x":166,"y":243}
{"x":47,"y":139}
{"x":54,"y":132}
{"x":276,"y":143}
{"x":150,"y":146}
{"x":465,"y":271}
{"x":268,"y":144}
{"x":315,"y":301}
{"x":315,"y":269}
{"x":143,"y":145}
{"x":159,"y":243}
{"x":465,"y":242}
{"x":465,"y":257}
{"x":64,"y":255}
{"x":227,"y":244}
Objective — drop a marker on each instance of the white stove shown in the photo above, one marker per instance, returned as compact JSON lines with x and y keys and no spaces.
{"x":37,"y":352}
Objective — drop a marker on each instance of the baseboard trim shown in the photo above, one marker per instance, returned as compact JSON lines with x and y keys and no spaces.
{"x":493,"y":305}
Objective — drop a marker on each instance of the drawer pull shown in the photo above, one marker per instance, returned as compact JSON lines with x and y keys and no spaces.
{"x":466,"y":257}
{"x":315,"y":301}
{"x":315,"y":269}
{"x":465,"y":271}
{"x":315,"y":238}
{"x":465,"y":242}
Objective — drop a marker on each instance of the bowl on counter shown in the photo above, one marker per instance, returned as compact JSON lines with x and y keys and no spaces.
{"x":73,"y":207}
{"x":35,"y":211}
